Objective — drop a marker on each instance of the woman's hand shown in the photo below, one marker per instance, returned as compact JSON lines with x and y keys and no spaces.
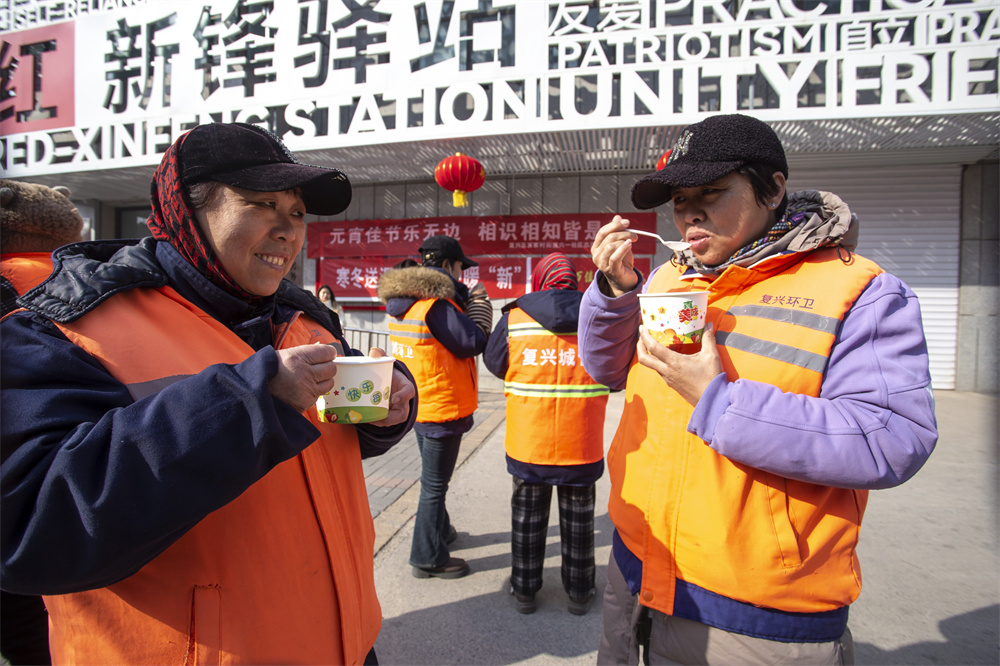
{"x":612,"y":254}
{"x":688,"y":374}
{"x":400,"y":395}
{"x":304,"y":374}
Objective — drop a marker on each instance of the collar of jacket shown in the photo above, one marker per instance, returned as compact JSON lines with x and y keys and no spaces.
{"x":86,"y":274}
{"x":829,"y":222}
{"x":558,"y":310}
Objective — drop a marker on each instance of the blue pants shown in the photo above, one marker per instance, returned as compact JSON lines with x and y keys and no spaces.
{"x":437,"y":456}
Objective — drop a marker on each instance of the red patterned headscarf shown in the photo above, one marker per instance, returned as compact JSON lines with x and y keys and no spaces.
{"x":555,"y":271}
{"x":174,"y":222}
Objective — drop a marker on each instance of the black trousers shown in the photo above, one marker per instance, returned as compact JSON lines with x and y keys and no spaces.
{"x":529,"y":504}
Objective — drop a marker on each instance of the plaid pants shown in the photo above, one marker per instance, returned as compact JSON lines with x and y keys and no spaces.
{"x":529,"y":504}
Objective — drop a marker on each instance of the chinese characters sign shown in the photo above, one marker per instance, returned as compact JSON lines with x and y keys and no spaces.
{"x":355,"y":278}
{"x":123,"y":78}
{"x":571,"y":233}
{"x":352,"y":255}
{"x":28,"y":100}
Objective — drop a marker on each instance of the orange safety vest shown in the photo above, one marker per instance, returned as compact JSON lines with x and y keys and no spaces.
{"x":25,"y":270}
{"x":555,"y":409}
{"x":447,"y":386}
{"x":282,"y":574}
{"x":689,"y":513}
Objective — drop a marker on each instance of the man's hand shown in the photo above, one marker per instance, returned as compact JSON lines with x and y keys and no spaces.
{"x":612,"y":254}
{"x":688,"y":374}
{"x":304,"y":374}
{"x":400,"y":395}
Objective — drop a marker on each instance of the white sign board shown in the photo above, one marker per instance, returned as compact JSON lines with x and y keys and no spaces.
{"x":93,"y":84}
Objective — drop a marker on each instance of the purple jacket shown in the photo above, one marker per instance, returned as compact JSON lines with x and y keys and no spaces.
{"x":869,"y":428}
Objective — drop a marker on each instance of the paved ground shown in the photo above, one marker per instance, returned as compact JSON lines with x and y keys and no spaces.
{"x":928,"y":553}
{"x":392,"y":479}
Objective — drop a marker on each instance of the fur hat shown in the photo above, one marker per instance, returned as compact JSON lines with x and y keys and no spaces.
{"x":36,"y":218}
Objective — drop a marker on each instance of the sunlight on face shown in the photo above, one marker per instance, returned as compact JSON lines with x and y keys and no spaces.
{"x":256,"y":235}
{"x":723,"y":216}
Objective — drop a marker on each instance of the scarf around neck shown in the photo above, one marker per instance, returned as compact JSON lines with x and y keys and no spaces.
{"x":813,"y":219}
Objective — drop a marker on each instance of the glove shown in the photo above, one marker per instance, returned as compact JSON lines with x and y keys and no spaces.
{"x":479,"y":308}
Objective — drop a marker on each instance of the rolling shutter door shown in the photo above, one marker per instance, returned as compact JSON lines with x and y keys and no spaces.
{"x":910,"y":225}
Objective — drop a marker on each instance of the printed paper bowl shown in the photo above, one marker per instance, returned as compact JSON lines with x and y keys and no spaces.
{"x":361,"y":391}
{"x":675,"y":319}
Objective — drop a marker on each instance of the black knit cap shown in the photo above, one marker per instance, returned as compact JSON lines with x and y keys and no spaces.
{"x":707,"y":151}
{"x":437,"y":248}
{"x":253,"y":158}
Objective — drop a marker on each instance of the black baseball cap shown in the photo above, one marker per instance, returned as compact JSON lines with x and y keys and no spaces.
{"x":437,"y":248}
{"x":247,"y":156}
{"x":707,"y":151}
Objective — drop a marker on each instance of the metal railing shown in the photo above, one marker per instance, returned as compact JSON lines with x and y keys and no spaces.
{"x":363,"y":339}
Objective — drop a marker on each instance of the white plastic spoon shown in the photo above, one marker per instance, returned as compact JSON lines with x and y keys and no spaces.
{"x":676,"y":246}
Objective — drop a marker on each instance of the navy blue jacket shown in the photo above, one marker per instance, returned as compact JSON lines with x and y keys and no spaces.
{"x":95,"y":484}
{"x":558,"y":311}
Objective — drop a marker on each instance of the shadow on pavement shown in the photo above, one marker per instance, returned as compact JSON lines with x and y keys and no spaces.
{"x":466,"y":632}
{"x":971,"y":638}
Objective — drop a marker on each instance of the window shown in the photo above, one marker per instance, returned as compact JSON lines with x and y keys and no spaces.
{"x":131,"y":222}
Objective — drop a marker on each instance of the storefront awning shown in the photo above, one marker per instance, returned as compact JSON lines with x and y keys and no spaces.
{"x":953,"y":139}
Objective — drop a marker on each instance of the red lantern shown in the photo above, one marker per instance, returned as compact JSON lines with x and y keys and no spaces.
{"x":460,"y":174}
{"x":663,"y":160}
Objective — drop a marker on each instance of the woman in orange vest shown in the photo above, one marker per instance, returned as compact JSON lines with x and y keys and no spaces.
{"x":167,"y":484}
{"x":555,"y":432}
{"x":740,"y":473}
{"x":437,"y":327}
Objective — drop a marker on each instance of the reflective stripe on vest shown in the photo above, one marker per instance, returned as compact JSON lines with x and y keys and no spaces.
{"x":776,"y":350}
{"x":447,"y":386}
{"x":555,"y":410}
{"x":680,"y":507}
{"x":287,"y":563}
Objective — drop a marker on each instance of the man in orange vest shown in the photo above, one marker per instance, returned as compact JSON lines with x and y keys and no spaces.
{"x":555,"y":432}
{"x":740,"y":473}
{"x":437,"y":327}
{"x":34,"y":221}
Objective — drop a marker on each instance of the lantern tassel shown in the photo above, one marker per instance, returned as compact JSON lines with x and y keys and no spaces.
{"x":459,"y":199}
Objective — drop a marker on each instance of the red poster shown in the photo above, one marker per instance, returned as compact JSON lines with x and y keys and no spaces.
{"x":352,"y":277}
{"x":40,"y":92}
{"x":356,"y":278}
{"x":504,"y":277}
{"x":585,"y":269}
{"x":504,"y":235}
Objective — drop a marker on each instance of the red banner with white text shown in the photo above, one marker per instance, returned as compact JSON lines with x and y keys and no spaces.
{"x":352,"y":254}
{"x":355,"y":278}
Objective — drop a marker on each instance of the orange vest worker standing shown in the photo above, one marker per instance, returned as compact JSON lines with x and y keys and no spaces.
{"x":437,"y":327}
{"x":34,"y":221}
{"x":740,"y":471}
{"x":555,"y":432}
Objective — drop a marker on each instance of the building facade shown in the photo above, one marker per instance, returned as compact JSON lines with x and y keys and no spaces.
{"x":891,"y":104}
